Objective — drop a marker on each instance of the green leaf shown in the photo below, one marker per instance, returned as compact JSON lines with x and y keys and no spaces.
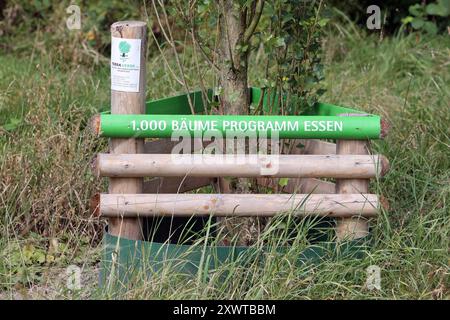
{"x":288,"y":17}
{"x":407,"y":20}
{"x":323,"y":22}
{"x":39,"y":257}
{"x":446,"y":5}
{"x":280,"y":42}
{"x":416,"y":10}
{"x":430,"y":27}
{"x":283,"y":182}
{"x":434,"y":9}
{"x":417,"y":23}
{"x":12,"y":125}
{"x":28,"y":252}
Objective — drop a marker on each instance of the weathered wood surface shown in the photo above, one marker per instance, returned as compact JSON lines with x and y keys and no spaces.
{"x":203,"y":165}
{"x":237,"y":205}
{"x":352,"y":227}
{"x":128,"y":103}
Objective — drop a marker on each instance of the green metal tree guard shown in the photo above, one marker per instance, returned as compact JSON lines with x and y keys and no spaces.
{"x":123,"y":257}
{"x":286,"y":127}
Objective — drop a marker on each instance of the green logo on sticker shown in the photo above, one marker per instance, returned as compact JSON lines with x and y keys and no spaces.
{"x":124,"y":48}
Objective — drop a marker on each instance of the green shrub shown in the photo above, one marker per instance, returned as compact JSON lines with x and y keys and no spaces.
{"x":431,"y":18}
{"x":392,"y":11}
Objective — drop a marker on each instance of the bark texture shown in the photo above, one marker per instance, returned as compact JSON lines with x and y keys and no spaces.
{"x":233,"y":57}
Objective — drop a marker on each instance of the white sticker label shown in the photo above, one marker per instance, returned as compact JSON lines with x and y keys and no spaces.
{"x":125,"y":64}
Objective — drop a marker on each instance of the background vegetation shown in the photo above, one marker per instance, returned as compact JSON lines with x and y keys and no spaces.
{"x":53,"y":80}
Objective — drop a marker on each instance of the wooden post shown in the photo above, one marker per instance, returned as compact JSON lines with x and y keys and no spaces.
{"x":127,"y":97}
{"x":357,"y":226}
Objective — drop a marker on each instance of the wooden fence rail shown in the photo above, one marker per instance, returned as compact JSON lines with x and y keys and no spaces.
{"x":201,"y":165}
{"x":140,"y":205}
{"x":131,"y":158}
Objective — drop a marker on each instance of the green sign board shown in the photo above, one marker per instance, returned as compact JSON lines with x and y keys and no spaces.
{"x":283,"y":127}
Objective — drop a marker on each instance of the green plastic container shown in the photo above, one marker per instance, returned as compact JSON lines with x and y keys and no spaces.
{"x":126,"y":260}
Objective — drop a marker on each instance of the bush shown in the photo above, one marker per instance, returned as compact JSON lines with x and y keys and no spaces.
{"x":431,"y":18}
{"x":394,"y":13}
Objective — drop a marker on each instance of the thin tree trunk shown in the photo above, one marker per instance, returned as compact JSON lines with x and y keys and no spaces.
{"x":233,"y":68}
{"x":235,"y":100}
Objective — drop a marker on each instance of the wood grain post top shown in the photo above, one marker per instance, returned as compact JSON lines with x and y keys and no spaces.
{"x":385,"y":128}
{"x":129,"y":29}
{"x":385,"y":165}
{"x":95,"y":205}
{"x":95,"y":125}
{"x":129,"y":23}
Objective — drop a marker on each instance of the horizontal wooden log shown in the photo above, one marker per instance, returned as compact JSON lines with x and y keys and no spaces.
{"x":291,"y":166}
{"x":243,"y":205}
{"x":175,"y":184}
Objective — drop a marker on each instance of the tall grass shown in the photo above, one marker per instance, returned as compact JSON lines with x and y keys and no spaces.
{"x":46,"y":183}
